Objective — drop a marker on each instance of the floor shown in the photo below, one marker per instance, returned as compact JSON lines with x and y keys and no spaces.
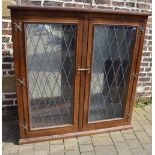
{"x":136,"y":141}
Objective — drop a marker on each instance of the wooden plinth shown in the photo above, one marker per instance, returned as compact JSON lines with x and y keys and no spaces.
{"x":75,"y":134}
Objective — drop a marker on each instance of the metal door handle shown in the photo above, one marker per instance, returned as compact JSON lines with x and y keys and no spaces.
{"x":83,"y":69}
{"x":20,"y":82}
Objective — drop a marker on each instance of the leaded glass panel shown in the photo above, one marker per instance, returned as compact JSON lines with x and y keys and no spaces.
{"x":51,"y":52}
{"x":113,"y":48}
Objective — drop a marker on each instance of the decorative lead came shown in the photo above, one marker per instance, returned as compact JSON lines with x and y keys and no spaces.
{"x":112,"y":58}
{"x":51,"y":52}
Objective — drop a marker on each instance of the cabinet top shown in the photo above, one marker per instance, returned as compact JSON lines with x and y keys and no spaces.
{"x":78,"y":10}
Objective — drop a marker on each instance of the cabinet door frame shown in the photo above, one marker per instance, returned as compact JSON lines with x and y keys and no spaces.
{"x":24,"y":75}
{"x":127,"y":114}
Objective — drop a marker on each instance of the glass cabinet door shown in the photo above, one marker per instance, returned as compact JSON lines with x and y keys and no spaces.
{"x":111,"y":64}
{"x":111,"y":49}
{"x":51,"y":52}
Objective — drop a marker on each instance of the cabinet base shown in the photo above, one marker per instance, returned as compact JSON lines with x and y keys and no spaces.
{"x":69,"y":135}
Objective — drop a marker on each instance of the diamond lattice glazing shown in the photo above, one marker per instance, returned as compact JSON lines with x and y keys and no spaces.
{"x":112,"y":57}
{"x":51,"y":64}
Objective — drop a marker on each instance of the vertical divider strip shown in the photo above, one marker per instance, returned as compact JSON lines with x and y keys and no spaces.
{"x":83,"y":74}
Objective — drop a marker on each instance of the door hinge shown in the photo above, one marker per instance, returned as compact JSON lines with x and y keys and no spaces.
{"x":142,"y":28}
{"x":18,"y":26}
{"x":127,"y":116}
{"x":134,"y":75}
{"x":20,"y":82}
{"x":25,"y":126}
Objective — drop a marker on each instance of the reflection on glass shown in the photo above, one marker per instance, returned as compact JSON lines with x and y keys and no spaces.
{"x":112,"y":57}
{"x":51,"y":64}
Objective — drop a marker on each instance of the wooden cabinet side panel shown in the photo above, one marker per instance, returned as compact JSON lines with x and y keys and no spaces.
{"x":137,"y":67}
{"x":17,"y":65}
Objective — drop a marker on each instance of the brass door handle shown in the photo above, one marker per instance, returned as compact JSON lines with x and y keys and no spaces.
{"x":83,"y":69}
{"x":20,"y":82}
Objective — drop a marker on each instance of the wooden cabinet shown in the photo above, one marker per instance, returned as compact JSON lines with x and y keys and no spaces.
{"x":76,"y":70}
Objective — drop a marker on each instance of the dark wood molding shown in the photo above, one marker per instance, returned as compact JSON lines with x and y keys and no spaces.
{"x":73,"y":134}
{"x":80,"y":10}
